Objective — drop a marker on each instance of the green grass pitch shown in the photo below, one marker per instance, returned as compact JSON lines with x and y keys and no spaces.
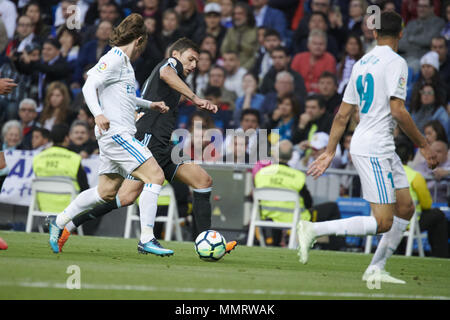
{"x":111,"y":268}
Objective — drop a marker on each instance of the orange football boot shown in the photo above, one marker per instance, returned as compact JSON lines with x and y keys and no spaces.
{"x":230,"y":246}
{"x":64,"y":237}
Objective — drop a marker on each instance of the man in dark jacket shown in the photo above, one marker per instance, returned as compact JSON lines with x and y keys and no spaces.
{"x":281,"y":62}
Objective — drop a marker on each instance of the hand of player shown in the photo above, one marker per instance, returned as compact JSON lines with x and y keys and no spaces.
{"x":430,"y":156}
{"x":7,"y":85}
{"x":159,"y":106}
{"x":102,"y":122}
{"x":205,"y":104}
{"x":318,"y":167}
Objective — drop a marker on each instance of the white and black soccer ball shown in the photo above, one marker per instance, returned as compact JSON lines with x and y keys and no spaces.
{"x":210,"y":245}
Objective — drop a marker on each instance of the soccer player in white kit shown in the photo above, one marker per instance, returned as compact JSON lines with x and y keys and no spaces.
{"x":120,"y":153}
{"x":377,"y":87}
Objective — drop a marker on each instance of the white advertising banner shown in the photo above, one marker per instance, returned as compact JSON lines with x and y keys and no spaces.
{"x":17,"y":186}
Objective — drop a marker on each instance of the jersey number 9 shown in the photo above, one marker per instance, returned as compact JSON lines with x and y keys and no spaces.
{"x":365,"y":91}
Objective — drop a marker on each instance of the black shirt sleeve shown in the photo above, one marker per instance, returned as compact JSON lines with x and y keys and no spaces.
{"x":82,"y":179}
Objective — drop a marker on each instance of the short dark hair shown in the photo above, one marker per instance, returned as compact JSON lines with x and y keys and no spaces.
{"x":59,"y":133}
{"x":44,"y":132}
{"x":318,"y":98}
{"x":328,"y":74}
{"x":183,"y":44}
{"x":272,"y":32}
{"x":404,"y":149}
{"x":252,"y":112}
{"x":212,"y":91}
{"x":53,"y":42}
{"x":390,"y":24}
{"x":281,"y":48}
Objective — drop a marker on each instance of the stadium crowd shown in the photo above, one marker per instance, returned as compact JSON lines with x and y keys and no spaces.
{"x":267,"y":64}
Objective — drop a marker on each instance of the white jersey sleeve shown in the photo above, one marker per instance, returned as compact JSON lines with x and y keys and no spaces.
{"x":396,"y":78}
{"x":350,"y":94}
{"x":108,"y":69}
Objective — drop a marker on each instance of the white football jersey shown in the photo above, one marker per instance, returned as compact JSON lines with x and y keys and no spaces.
{"x":117,"y":95}
{"x":379,"y":75}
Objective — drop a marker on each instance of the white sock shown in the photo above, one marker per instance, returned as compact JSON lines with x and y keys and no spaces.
{"x":389,"y":242}
{"x":84,"y":201}
{"x":70,"y":226}
{"x":147,"y":210}
{"x":355,"y":226}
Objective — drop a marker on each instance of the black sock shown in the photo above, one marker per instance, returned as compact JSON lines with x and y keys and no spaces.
{"x":95,"y":213}
{"x":201,"y":207}
{"x":2,"y":179}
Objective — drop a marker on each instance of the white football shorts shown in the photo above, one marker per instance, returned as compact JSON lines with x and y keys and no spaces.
{"x":121,"y":153}
{"x":380,"y":177}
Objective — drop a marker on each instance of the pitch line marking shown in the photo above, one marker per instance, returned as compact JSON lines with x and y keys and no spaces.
{"x":119,"y":287}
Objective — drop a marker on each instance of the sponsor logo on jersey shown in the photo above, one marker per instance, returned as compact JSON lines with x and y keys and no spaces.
{"x":172,"y":62}
{"x":102,"y":66}
{"x":402,"y":82}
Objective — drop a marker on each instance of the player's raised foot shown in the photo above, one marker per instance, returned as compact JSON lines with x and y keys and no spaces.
{"x":381,"y":275}
{"x":54,"y":232}
{"x":153,"y":247}
{"x":230,"y":246}
{"x":306,"y":239}
{"x":63,"y":238}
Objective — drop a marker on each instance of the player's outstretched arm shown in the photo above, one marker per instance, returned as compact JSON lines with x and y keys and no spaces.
{"x":318,"y":167}
{"x":157,"y":105}
{"x":406,"y":123}
{"x":168,"y":75}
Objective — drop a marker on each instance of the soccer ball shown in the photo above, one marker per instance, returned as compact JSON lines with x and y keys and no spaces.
{"x":210,"y":245}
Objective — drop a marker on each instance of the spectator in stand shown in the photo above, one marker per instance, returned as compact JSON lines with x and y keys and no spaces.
{"x":285,"y":117}
{"x":441,"y":174}
{"x":212,"y":25}
{"x":426,"y":105}
{"x":367,"y":38}
{"x":8,"y":12}
{"x":70,"y":46}
{"x":249,"y":125}
{"x":281,"y":62}
{"x":418,"y":33}
{"x":388,"y":6}
{"x":237,"y":151}
{"x":11,"y":135}
{"x":446,"y":31}
{"x":191,"y":20}
{"x":353,"y":52}
{"x":217,"y":79}
{"x":64,"y":12}
{"x":411,"y":9}
{"x":80,"y":141}
{"x":439,"y":45}
{"x":85,"y":115}
{"x":40,"y":28}
{"x":242,"y":37}
{"x":318,"y":20}
{"x":429,"y":74}
{"x":92,"y":51}
{"x":23,"y":37}
{"x":93,"y":13}
{"x":284,"y":85}
{"x":263,"y":60}
{"x":314,"y":119}
{"x":198,"y":80}
{"x":234,"y":73}
{"x":226,"y":13}
{"x":433,"y":131}
{"x":250,"y":99}
{"x":52,"y":67}
{"x":170,"y":31}
{"x":56,"y":106}
{"x":269,"y":17}
{"x":40,"y":139}
{"x":149,"y":8}
{"x":357,"y":10}
{"x":209,"y":43}
{"x":110,"y":12}
{"x":27,"y":116}
{"x":328,"y":85}
{"x":315,"y":61}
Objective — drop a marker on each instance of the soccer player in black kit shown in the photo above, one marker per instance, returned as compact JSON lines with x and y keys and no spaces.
{"x":154,"y":129}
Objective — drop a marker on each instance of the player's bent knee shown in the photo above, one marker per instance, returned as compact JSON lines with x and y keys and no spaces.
{"x":384,"y":224}
{"x":204,"y":181}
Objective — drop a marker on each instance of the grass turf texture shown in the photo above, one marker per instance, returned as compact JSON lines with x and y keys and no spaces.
{"x":111,"y":268}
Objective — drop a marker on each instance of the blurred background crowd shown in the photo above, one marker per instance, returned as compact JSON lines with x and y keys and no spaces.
{"x":268,"y":64}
